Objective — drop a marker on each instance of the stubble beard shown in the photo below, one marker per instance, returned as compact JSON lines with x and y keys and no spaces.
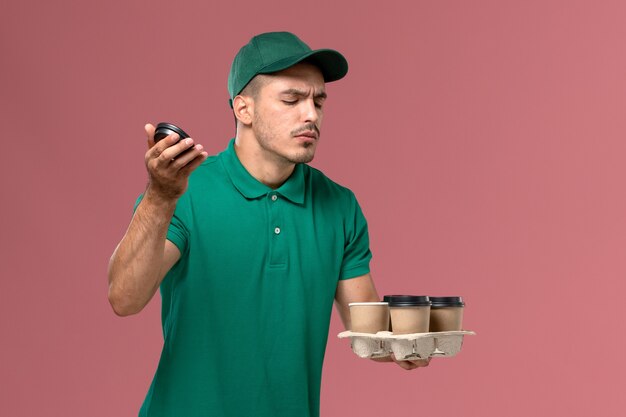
{"x":267,"y":140}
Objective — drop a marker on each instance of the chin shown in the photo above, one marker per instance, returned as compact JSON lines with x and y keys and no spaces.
{"x":302,"y":158}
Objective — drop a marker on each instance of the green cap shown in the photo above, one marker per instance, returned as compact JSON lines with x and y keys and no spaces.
{"x":275,"y":51}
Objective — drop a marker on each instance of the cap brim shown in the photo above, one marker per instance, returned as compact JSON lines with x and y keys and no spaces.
{"x":332,"y":64}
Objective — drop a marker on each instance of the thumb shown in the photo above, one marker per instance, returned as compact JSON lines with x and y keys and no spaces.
{"x":150,"y":133}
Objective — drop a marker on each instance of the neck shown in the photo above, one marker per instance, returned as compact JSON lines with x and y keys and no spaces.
{"x":264,"y":166}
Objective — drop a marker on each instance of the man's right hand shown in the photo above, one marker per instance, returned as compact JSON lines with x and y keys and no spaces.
{"x":144,"y":255}
{"x":169,"y":163}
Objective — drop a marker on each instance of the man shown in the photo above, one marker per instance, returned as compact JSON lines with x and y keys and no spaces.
{"x":250,"y":251}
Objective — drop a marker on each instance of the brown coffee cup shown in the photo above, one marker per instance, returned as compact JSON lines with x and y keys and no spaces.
{"x":446,"y":314}
{"x":409,"y":313}
{"x":369,"y":317}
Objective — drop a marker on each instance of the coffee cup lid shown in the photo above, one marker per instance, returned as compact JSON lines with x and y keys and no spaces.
{"x":447,"y":302}
{"x":170,"y":128}
{"x":407,"y":300}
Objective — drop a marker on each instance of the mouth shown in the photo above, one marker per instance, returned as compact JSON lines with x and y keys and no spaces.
{"x":308,"y":135}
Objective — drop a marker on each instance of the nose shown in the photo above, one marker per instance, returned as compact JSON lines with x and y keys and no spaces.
{"x":311,"y":113}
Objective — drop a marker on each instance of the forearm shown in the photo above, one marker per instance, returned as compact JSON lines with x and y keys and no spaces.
{"x":360,"y":289}
{"x":136,"y":266}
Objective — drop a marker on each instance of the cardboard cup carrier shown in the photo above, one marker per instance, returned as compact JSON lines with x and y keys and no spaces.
{"x":422,"y":327}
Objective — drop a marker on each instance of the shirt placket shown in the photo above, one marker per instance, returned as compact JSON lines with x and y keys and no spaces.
{"x":278,"y":233}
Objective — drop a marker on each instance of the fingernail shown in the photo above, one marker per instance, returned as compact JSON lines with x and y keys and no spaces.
{"x":188,"y":141}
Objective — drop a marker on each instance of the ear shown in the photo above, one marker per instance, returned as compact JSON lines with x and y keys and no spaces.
{"x":243,"y":107}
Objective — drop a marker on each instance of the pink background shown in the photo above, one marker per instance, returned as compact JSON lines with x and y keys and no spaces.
{"x":484,"y":140}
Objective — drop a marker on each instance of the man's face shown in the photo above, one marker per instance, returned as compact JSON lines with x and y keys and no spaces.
{"x":288,"y":114}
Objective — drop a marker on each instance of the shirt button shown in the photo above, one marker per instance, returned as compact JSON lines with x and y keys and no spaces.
{"x":274,"y":197}
{"x":277,"y":230}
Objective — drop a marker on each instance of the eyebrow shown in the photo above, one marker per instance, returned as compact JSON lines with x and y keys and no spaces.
{"x":296,"y":92}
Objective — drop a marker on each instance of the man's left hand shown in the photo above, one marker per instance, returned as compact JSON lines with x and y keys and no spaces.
{"x":407,"y":364}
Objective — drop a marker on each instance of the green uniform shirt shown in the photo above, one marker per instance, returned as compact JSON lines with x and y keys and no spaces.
{"x":246,"y":309}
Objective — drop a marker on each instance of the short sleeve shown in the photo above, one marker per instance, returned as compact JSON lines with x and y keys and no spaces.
{"x":357,"y":254}
{"x":177,"y":233}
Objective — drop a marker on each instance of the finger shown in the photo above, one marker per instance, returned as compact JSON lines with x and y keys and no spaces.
{"x":406,"y":365}
{"x":176,"y":150}
{"x":185,"y":157}
{"x":382,"y":359}
{"x":195,"y":163}
{"x":166,"y":149}
{"x":402,"y":364}
{"x":420,"y":363}
{"x":150,"y":129}
{"x":411,"y":364}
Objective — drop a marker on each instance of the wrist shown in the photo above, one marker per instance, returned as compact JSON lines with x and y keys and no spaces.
{"x":161,"y":201}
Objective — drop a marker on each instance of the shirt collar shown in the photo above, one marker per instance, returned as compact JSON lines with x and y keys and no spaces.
{"x":251,"y":188}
